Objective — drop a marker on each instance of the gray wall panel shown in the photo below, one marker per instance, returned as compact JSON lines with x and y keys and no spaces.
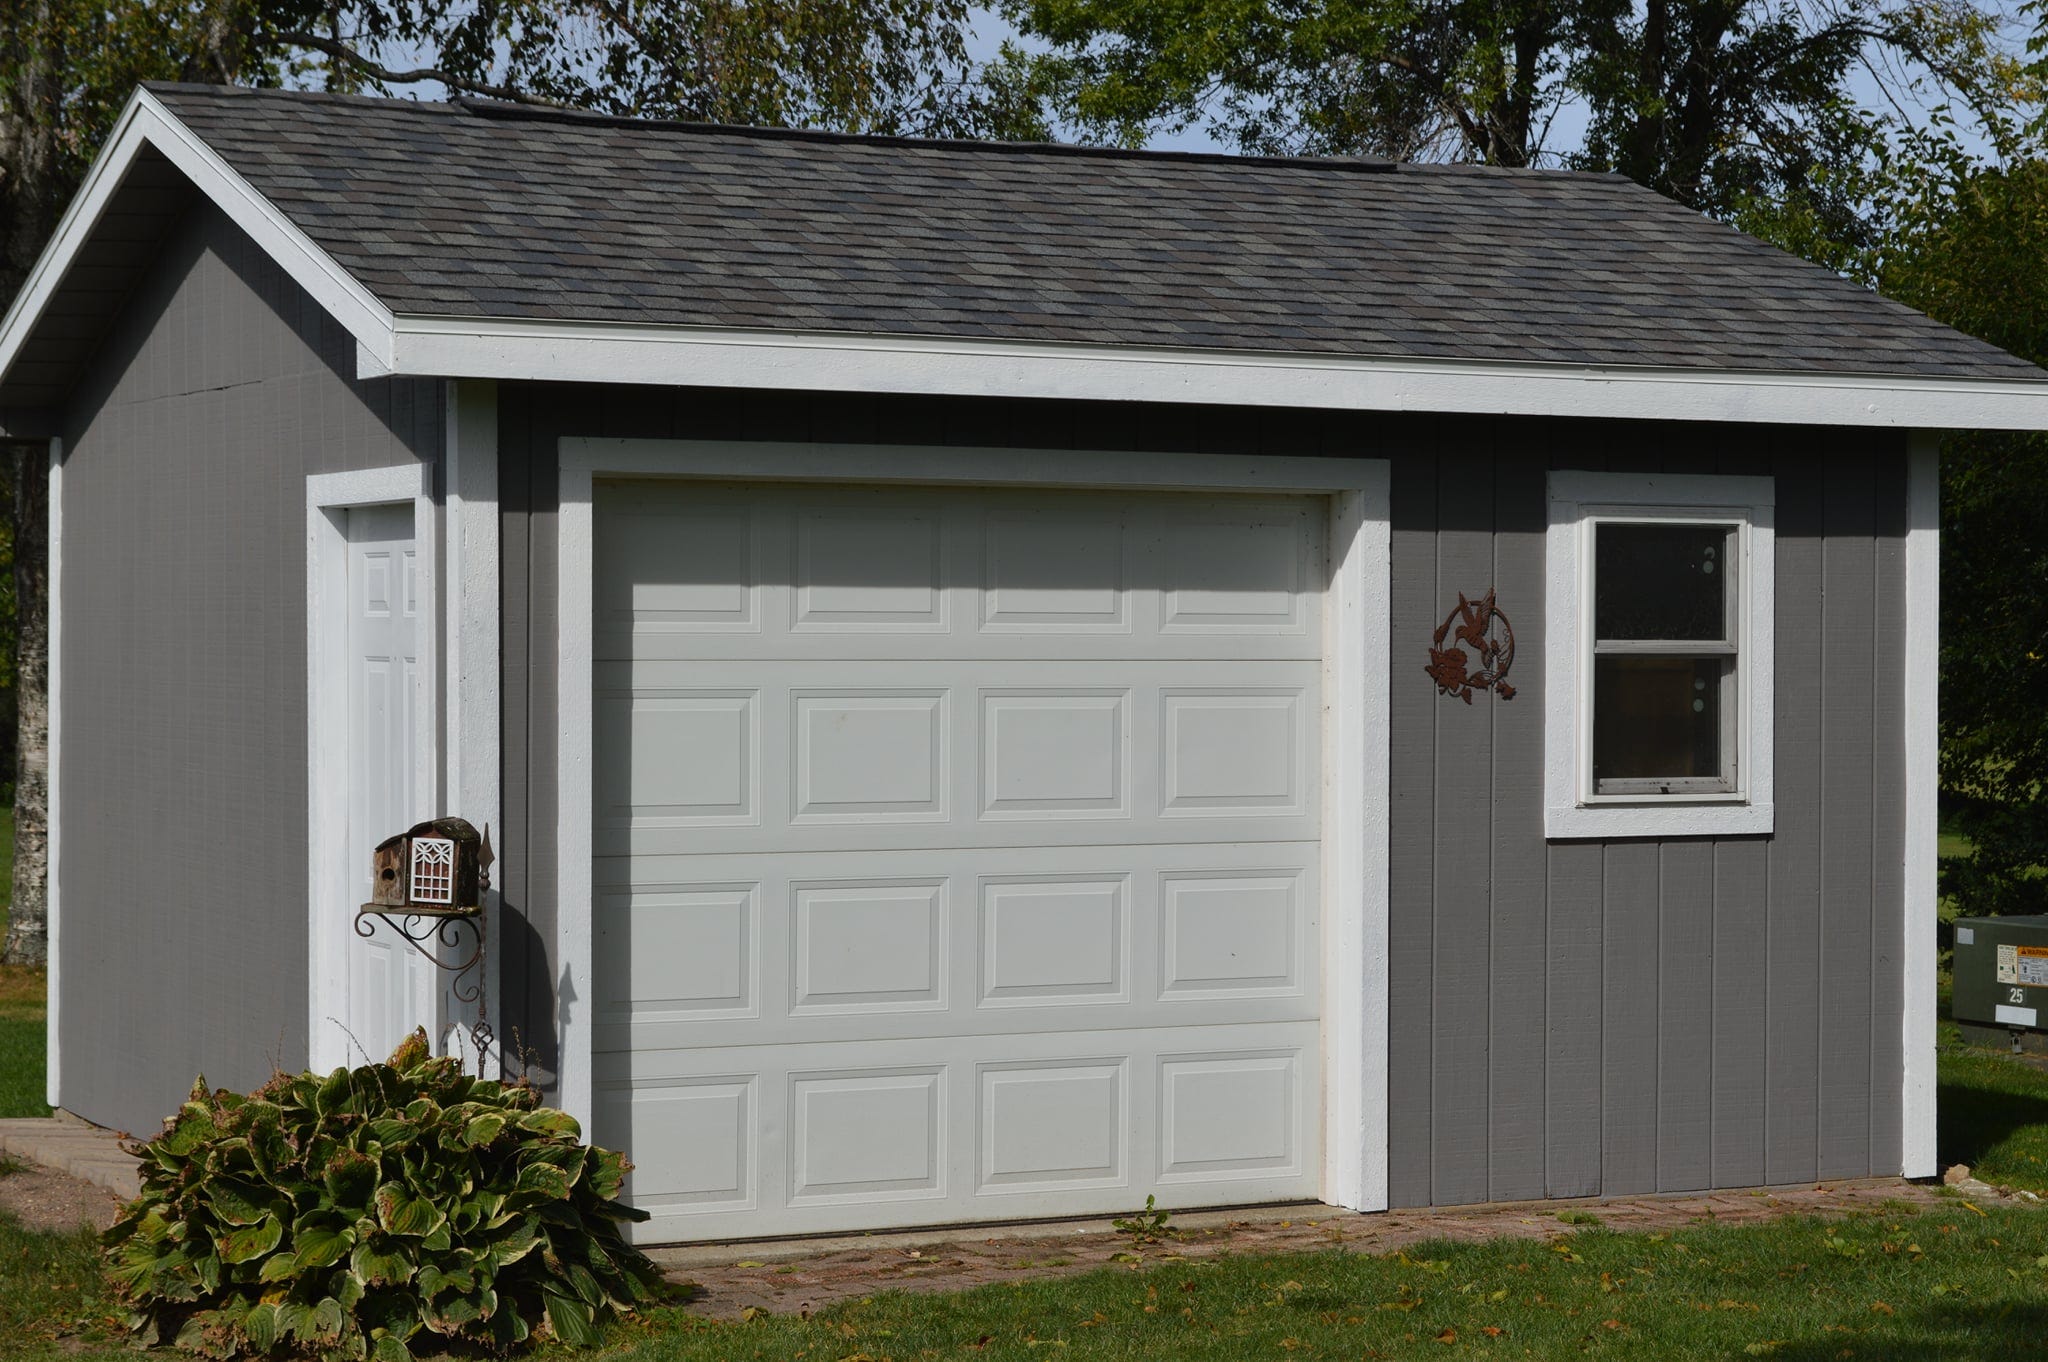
{"x":1567,"y":1018}
{"x":1685,"y":995}
{"x":1572,"y":1030}
{"x":1411,"y":859}
{"x":1848,"y":676}
{"x":1792,"y":1004}
{"x":184,"y":677}
{"x":1461,"y":990}
{"x":1630,"y":1018}
{"x":1741,"y":952}
{"x":1519,"y":1001}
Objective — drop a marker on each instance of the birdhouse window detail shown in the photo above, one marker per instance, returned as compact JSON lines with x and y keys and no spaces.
{"x":433,"y":870}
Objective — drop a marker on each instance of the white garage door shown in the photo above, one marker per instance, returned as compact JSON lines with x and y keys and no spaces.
{"x":956,"y":852}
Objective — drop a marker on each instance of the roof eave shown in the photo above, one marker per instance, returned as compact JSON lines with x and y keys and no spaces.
{"x":468,"y":347}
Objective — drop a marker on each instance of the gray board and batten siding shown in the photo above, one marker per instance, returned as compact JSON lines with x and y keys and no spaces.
{"x":1567,"y":1018}
{"x":188,"y":441}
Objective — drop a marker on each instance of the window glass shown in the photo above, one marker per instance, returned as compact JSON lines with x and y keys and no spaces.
{"x":1661,"y":581}
{"x":1657,"y":717}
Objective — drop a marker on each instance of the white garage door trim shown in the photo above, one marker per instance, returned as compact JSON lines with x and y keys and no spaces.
{"x":1356,"y":729}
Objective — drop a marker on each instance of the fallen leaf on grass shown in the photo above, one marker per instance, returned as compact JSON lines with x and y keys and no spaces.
{"x":1449,"y":1335}
{"x":1880,"y":1308}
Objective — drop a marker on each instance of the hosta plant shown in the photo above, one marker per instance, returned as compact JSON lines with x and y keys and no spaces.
{"x":372,"y":1212}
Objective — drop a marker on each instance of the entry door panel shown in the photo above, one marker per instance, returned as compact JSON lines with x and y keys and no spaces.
{"x":956,"y":852}
{"x":390,"y":985}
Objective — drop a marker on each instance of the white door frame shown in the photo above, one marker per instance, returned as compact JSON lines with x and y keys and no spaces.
{"x":1357,"y":628}
{"x":335,"y":886}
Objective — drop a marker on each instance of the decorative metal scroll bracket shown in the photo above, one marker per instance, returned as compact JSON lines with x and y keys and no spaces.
{"x":421,"y":928}
{"x":1473,"y":622}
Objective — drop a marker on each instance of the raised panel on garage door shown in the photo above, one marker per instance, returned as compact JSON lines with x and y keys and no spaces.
{"x":956,"y":852}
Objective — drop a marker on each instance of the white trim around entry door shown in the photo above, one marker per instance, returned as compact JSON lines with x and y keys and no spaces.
{"x":1357,"y":641}
{"x":335,"y":887}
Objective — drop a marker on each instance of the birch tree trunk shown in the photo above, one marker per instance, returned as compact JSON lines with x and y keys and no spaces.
{"x":32,"y":51}
{"x":28,"y":913}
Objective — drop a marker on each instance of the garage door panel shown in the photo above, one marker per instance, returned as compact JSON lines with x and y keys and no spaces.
{"x":870,"y":761}
{"x":957,"y":852}
{"x":1118,"y":938}
{"x":700,"y":572}
{"x":941,"y":1131}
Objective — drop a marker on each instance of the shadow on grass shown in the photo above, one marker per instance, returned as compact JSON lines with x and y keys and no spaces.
{"x":1948,"y":1329}
{"x":1976,"y":1118}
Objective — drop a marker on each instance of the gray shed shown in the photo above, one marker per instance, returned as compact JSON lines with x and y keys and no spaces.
{"x":1001,"y":679}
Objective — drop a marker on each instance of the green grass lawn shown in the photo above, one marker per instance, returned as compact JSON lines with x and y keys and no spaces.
{"x":1946,"y":1283}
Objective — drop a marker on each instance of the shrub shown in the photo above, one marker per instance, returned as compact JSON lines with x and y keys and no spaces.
{"x":345,"y":1214}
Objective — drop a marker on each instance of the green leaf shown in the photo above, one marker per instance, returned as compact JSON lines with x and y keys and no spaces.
{"x":541,"y":1179}
{"x":235,"y":1202}
{"x":548,"y":1121}
{"x":390,"y":1348}
{"x":382,"y":1261}
{"x":570,"y":1320}
{"x":261,"y":1326}
{"x":484,"y":1129}
{"x":317,"y":1246}
{"x":250,"y":1241}
{"x":350,"y":1179}
{"x":401,"y":1213}
{"x":326,"y":1320}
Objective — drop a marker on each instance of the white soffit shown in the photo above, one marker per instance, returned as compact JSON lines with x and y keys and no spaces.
{"x":489,"y":348}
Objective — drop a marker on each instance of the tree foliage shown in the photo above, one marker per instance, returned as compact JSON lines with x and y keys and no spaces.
{"x":1727,"y":105}
{"x":1973,"y":252}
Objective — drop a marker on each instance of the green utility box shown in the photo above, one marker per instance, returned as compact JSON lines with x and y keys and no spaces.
{"x":2001,"y":979}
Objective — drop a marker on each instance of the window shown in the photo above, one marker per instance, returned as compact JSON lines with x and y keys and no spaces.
{"x":1658,"y":661}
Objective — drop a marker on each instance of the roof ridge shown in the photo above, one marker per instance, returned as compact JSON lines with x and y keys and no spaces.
{"x":512,"y":111}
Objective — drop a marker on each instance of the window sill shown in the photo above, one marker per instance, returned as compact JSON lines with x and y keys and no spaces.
{"x":1663,"y":820}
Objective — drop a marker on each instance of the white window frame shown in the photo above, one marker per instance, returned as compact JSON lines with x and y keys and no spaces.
{"x":1579,"y":502}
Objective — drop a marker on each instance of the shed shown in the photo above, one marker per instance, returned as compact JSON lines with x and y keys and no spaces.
{"x":1001,"y":679}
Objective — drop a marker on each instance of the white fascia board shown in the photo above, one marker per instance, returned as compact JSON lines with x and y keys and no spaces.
{"x":467,"y":347}
{"x":146,"y":122}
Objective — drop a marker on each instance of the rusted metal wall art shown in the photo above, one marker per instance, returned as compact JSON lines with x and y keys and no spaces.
{"x":1481,"y":624}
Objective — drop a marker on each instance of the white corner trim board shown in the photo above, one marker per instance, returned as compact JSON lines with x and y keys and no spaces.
{"x":1577,"y":501}
{"x":1923,"y":677}
{"x":564,"y":352}
{"x":331,"y":877}
{"x":1357,"y":632}
{"x":53,"y":904}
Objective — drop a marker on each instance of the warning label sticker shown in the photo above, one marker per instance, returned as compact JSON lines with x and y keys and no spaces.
{"x":2023,"y":965}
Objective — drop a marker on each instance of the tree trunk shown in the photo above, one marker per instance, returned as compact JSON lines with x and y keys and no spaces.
{"x":28,"y":923}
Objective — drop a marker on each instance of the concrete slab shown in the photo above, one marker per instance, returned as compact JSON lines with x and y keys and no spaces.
{"x":71,"y":1146}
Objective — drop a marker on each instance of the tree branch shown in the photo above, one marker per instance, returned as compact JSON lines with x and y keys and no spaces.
{"x":341,"y":51}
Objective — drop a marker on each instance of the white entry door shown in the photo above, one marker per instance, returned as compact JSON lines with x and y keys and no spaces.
{"x":956,"y":852}
{"x":391,"y":987}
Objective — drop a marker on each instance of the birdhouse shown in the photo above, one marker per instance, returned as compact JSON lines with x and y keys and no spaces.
{"x":440,"y":866}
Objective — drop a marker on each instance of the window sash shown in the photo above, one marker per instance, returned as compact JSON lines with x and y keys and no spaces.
{"x":1641,"y":791}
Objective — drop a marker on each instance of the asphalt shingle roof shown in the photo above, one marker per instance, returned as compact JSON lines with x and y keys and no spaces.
{"x":468,"y":210}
